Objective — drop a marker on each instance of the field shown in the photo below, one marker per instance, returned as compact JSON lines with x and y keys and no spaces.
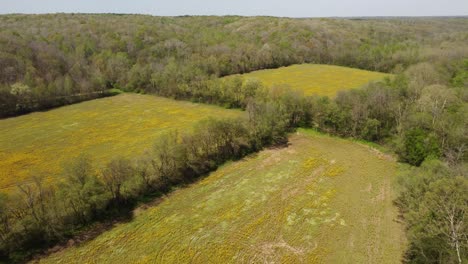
{"x":123,"y":125}
{"x":317,"y":79}
{"x":319,"y":200}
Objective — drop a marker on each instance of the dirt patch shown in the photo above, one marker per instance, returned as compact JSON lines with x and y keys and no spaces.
{"x":271,"y":252}
{"x":381,"y":196}
{"x":291,"y":151}
{"x":368,"y":189}
{"x":381,"y":155}
{"x":269,"y":248}
{"x":148,"y":205}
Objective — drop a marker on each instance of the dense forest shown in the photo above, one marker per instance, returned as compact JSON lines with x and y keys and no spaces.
{"x":46,"y":60}
{"x":420,"y":113}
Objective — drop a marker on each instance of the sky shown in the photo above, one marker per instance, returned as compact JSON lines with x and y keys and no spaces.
{"x":284,"y":8}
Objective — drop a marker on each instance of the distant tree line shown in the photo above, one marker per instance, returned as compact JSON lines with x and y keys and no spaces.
{"x":46,"y":59}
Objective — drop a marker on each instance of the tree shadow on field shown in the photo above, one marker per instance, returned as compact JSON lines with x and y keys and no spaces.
{"x":119,"y":216}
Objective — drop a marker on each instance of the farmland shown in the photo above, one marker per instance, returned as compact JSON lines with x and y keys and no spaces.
{"x":317,"y":79}
{"x":39,"y":144}
{"x":232,"y":190}
{"x":319,"y":200}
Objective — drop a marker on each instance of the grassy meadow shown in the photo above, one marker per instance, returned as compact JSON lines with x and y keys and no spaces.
{"x":124,"y":125}
{"x":319,"y":200}
{"x":317,"y":79}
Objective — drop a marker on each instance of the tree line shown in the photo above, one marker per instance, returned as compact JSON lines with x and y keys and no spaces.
{"x":39,"y":215}
{"x":420,"y":113}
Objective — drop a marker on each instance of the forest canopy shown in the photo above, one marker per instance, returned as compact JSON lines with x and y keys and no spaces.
{"x":48,"y":60}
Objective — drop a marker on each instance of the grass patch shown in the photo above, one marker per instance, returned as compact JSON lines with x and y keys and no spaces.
{"x":123,"y":125}
{"x":325,"y":80}
{"x":319,"y":200}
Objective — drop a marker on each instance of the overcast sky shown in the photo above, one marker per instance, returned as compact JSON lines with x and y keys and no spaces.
{"x":291,"y":8}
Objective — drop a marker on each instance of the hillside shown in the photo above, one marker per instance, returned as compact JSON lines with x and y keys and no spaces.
{"x":319,"y":200}
{"x":316,"y":79}
{"x":121,"y":126}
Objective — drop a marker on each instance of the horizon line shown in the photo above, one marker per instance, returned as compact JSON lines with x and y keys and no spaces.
{"x":234,"y":15}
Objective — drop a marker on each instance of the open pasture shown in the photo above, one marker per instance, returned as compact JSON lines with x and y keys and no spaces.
{"x":324,"y":80}
{"x":319,"y":200}
{"x":38,"y":144}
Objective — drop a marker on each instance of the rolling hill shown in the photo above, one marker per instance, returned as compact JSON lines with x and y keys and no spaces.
{"x":317,"y":78}
{"x":319,"y":200}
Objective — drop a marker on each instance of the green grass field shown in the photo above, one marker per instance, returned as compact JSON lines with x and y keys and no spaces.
{"x":123,"y":125}
{"x":320,"y":200}
{"x":317,"y":79}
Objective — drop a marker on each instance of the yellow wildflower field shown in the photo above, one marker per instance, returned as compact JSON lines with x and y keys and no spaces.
{"x":125,"y":125}
{"x":325,"y":80}
{"x":319,"y":200}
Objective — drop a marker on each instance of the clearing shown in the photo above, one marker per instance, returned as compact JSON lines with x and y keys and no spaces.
{"x":325,"y":80}
{"x":319,"y":200}
{"x":123,"y":125}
